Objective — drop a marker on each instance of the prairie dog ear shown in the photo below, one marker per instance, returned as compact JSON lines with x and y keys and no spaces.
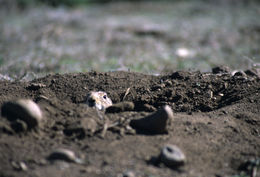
{"x":91,"y":100}
{"x":89,"y":95}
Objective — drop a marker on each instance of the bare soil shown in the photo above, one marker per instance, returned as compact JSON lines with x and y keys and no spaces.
{"x":216,"y":124}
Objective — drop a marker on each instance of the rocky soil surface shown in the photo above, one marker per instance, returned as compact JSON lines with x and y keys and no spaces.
{"x":215,"y":124}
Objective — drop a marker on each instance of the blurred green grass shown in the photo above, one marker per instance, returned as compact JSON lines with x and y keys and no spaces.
{"x":149,"y":37}
{"x":70,"y":3}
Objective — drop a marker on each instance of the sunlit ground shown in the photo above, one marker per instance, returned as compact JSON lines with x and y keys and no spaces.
{"x":145,"y":37}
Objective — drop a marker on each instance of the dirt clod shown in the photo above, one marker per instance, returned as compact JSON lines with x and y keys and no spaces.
{"x":221,"y":69}
{"x":121,"y":107}
{"x":26,"y":110}
{"x":155,"y":123}
{"x":63,"y":154}
{"x":172,"y":156}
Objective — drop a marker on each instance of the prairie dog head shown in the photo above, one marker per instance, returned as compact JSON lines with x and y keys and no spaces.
{"x":99,"y":100}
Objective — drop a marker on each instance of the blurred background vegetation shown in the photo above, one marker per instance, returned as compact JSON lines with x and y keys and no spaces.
{"x":38,"y":37}
{"x":73,"y":3}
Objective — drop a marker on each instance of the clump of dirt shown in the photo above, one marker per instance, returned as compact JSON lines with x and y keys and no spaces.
{"x":216,"y":124}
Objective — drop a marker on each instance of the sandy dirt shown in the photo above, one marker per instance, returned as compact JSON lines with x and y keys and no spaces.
{"x":216,"y":124}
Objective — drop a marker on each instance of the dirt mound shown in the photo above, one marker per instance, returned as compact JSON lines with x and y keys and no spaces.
{"x":216,"y":124}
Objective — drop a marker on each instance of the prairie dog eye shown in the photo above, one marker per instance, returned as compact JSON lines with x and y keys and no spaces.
{"x":105,"y":96}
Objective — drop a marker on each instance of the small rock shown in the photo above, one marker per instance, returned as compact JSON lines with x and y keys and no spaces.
{"x":20,"y":166}
{"x":23,"y":166}
{"x":23,"y":109}
{"x":253,"y":72}
{"x":172,"y":156}
{"x":221,"y":69}
{"x":127,"y":174}
{"x":180,"y":75}
{"x":120,"y":107}
{"x":65,"y":155}
{"x":155,"y":123}
{"x":239,"y":73}
{"x":221,"y":94}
